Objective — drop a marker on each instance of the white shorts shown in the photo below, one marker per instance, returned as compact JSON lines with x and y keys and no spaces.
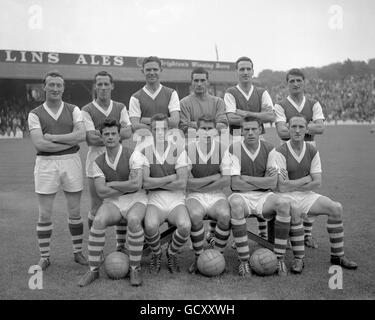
{"x":125,"y":202}
{"x":92,"y":154}
{"x":207,"y":199}
{"x":305,"y":199}
{"x":166,"y":201}
{"x":255,"y":201}
{"x":51,"y":171}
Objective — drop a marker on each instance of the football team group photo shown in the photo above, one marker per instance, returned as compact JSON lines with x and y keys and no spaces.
{"x":152,"y":178}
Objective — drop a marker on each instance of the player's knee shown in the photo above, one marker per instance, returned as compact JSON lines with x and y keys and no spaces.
{"x":223,"y":217}
{"x":100,"y":222}
{"x":195,"y":217}
{"x":236,"y":207}
{"x":184,"y":227}
{"x":45,"y":218}
{"x":151,"y":227}
{"x":45,"y":215}
{"x":134,"y":224}
{"x":282,"y":207}
{"x":75,"y":214}
{"x":336,"y":211}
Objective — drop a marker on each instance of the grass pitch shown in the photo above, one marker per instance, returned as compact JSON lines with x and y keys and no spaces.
{"x":347,"y":153}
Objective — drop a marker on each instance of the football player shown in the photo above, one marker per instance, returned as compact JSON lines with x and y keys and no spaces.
{"x":300,"y":176}
{"x":117,"y":175}
{"x":209,"y":173}
{"x":56,"y":129}
{"x":165,"y":177}
{"x":153,"y":98}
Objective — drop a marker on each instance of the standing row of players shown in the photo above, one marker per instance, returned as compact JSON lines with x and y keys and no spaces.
{"x":56,"y":128}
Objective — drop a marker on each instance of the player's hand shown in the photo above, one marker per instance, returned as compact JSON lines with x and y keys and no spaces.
{"x":270,"y":172}
{"x":283,"y":174}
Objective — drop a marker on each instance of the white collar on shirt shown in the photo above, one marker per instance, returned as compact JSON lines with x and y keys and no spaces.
{"x":254,"y":155}
{"x":154,"y":94}
{"x":204,"y":157}
{"x":115,"y":163}
{"x":105,"y":112}
{"x":247,"y":96}
{"x":295,"y":156}
{"x":161,"y":158}
{"x":52,"y":114}
{"x":295,"y":105}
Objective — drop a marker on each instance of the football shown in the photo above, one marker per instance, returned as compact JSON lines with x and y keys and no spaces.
{"x":211,"y":263}
{"x":116,"y":265}
{"x":263,"y":262}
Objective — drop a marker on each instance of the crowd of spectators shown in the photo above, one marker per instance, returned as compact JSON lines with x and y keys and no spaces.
{"x":13,"y":116}
{"x":350,"y":99}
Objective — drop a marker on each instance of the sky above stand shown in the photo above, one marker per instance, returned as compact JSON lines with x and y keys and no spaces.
{"x":276,"y":34}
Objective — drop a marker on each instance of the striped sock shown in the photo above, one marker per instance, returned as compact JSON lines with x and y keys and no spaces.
{"x":262,"y":226}
{"x":335,"y":230}
{"x":44,"y":233}
{"x":76,"y":231}
{"x":221,"y":237}
{"x":90,"y":220}
{"x":297,"y":236}
{"x":308,"y":225}
{"x":212,"y":226}
{"x":177,"y":242}
{"x":240,"y":237}
{"x":282,"y":227}
{"x":154,"y":242}
{"x":96,"y":247}
{"x":197,"y":238}
{"x":121,"y":228}
{"x":135,"y":242}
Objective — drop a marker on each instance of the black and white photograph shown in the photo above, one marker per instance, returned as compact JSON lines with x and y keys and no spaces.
{"x":185,"y":151}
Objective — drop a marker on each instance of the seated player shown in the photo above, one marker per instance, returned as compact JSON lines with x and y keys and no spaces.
{"x":209,"y":174}
{"x":300,"y":174}
{"x":165,"y":176}
{"x":252,"y":181}
{"x":118,"y":181}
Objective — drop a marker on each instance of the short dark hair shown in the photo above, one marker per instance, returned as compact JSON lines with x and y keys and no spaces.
{"x":159,"y":117}
{"x":109,"y":123}
{"x":151,"y":59}
{"x":251,"y":119}
{"x":206,"y":118}
{"x":244,"y":59}
{"x":299,"y":116}
{"x":295,"y":72}
{"x":199,"y":70}
{"x":104,"y":74}
{"x":54,"y":74}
